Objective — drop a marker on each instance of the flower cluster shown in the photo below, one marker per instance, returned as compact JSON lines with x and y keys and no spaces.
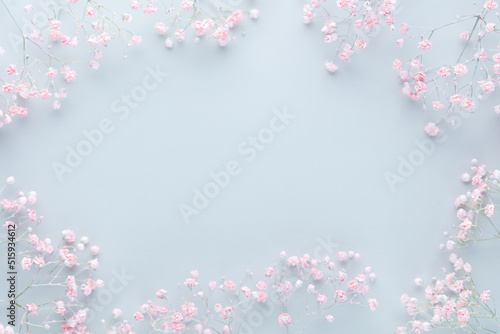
{"x":348,"y":24}
{"x":204,"y":18}
{"x":452,"y":302}
{"x":455,"y":87}
{"x":476,"y":208}
{"x":220,"y":307}
{"x":67,"y":268}
{"x":45,"y":64}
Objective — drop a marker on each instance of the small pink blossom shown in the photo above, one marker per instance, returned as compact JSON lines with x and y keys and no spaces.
{"x":331,"y":67}
{"x":396,"y":65}
{"x":431,"y":129}
{"x":404,"y":29}
{"x":463,"y":316}
{"x":69,"y":236}
{"x":116,"y":313}
{"x":341,"y":296}
{"x":261,"y":297}
{"x":55,"y":24}
{"x":150,"y":10}
{"x":489,"y":28}
{"x":127,"y":18}
{"x":69,"y":74}
{"x":31,"y":308}
{"x":491,"y":5}
{"x":489,"y":210}
{"x":138,"y":316}
{"x":485,"y":296}
{"x":460,"y":69}
{"x":190,"y":282}
{"x":488,"y":86}
{"x":373,"y":303}
{"x":229,"y":285}
{"x":321,"y":299}
{"x":90,"y":12}
{"x":11,"y":69}
{"x":38,"y":261}
{"x":186,"y":5}
{"x":352,"y":285}
{"x":134,"y":41}
{"x":436,"y":105}
{"x":221,"y":34}
{"x":468,"y":104}
{"x":262,"y":286}
{"x":425,"y":45}
{"x":161,"y":28}
{"x":444,"y":72}
{"x":360,"y":44}
{"x":134,"y":5}
{"x":94,"y":65}
{"x":179,"y":34}
{"x":234,"y":18}
{"x":254,"y":14}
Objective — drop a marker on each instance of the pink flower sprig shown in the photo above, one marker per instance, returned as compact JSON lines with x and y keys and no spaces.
{"x":458,"y":86}
{"x":317,"y":286}
{"x":197,"y":19}
{"x":452,"y":302}
{"x":348,"y":24}
{"x":44,"y":67}
{"x":476,"y":208}
{"x":67,"y":269}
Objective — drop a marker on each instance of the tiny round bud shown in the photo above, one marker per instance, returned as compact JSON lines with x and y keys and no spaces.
{"x":10,"y":180}
{"x":465,"y":177}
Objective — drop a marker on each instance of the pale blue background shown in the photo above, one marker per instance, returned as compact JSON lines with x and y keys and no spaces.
{"x":323,"y":176}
